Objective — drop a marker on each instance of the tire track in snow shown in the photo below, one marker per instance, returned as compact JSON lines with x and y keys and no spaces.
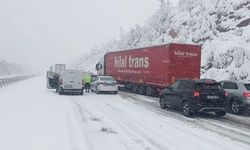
{"x":131,"y":131}
{"x":131,"y":128}
{"x":109,"y":121}
{"x":100,"y":127}
{"x":72,"y":133}
{"x":139,"y":127}
{"x":225,"y":129}
{"x":81,"y":140}
{"x":106,"y":122}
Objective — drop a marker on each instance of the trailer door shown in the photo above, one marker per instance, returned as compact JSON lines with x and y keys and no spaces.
{"x":52,"y":80}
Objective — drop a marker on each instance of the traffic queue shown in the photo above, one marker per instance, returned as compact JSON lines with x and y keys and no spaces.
{"x":170,"y":72}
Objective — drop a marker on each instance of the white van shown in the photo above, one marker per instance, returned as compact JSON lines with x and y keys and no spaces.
{"x":70,"y":82}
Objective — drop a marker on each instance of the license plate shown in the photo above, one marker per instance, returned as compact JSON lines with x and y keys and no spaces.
{"x":68,"y":86}
{"x":212,"y":97}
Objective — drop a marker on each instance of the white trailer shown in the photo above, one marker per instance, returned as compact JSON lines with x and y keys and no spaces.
{"x":60,"y":68}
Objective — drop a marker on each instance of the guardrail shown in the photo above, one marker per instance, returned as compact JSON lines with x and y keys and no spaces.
{"x":11,"y":80}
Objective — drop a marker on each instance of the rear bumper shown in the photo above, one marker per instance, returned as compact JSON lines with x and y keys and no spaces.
{"x":211,"y":109}
{"x":207,"y":108}
{"x":72,"y":90}
{"x":246,"y":107}
{"x":107,"y":88}
{"x":246,"y":102}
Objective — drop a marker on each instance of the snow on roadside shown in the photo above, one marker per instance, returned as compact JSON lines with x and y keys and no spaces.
{"x":32,"y":118}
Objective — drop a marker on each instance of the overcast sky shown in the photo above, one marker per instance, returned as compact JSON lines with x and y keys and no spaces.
{"x":43,"y":32}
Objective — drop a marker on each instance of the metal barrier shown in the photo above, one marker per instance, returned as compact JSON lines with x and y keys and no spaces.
{"x":7,"y":81}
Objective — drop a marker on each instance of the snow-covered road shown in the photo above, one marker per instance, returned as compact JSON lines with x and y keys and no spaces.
{"x":34,"y":118}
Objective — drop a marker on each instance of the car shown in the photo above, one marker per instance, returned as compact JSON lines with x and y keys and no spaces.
{"x":194,"y":96}
{"x":70,"y":82}
{"x":238,"y":99}
{"x":93,"y":77}
{"x":104,"y":84}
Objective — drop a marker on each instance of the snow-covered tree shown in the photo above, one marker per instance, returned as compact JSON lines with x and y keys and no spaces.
{"x":222,"y":27}
{"x":9,"y":68}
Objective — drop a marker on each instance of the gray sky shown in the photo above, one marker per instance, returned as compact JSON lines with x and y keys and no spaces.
{"x":40,"y":33}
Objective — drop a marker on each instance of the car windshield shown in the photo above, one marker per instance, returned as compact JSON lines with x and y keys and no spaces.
{"x":106,"y":79}
{"x":208,"y":86}
{"x":247,"y":86}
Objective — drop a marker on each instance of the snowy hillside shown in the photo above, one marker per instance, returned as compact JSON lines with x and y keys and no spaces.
{"x":7,"y":69}
{"x":222,"y":27}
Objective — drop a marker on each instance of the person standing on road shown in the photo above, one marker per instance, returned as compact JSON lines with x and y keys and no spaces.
{"x":87,"y":82}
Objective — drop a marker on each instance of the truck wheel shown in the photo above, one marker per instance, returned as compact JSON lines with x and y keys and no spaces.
{"x":235,"y":106}
{"x":141,"y":90}
{"x":163,"y":102}
{"x":150,"y":91}
{"x":135,"y":88}
{"x":186,"y":109}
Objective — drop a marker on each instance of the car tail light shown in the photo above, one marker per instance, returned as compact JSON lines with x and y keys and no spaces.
{"x":196,"y":93}
{"x":61,"y":81}
{"x":225,"y":94}
{"x":246,"y":94}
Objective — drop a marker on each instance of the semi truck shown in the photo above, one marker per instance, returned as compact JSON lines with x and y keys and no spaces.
{"x":148,"y":70}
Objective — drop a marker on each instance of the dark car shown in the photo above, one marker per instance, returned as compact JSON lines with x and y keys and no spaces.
{"x":238,"y":99}
{"x":193,"y":96}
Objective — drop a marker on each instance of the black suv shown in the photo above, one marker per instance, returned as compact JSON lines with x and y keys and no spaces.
{"x":193,"y":96}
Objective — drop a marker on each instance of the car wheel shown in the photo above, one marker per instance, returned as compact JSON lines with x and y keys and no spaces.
{"x":220,"y":113}
{"x":163,"y":102}
{"x":186,"y":109}
{"x":235,"y":106}
{"x":61,"y":91}
{"x":97,"y":91}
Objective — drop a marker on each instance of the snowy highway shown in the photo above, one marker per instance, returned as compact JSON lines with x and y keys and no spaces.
{"x":35,"y":118}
